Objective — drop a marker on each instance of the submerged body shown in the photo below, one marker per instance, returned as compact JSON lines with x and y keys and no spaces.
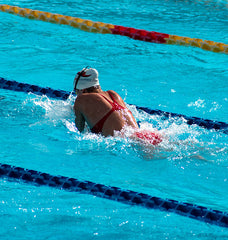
{"x":106,"y":114}
{"x":105,"y":111}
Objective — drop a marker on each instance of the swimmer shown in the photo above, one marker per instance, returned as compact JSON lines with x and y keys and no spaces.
{"x":105,"y":111}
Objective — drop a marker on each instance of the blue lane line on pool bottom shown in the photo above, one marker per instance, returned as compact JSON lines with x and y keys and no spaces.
{"x":63,"y":95}
{"x":116,"y":194}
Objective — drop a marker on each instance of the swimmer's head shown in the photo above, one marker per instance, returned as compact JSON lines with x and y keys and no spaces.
{"x":86,"y":78}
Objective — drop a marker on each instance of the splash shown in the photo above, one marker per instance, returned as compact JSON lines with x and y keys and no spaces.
{"x":179,"y":140}
{"x":55,"y":111}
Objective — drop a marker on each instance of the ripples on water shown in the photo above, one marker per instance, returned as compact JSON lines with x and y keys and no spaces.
{"x":39,"y":133}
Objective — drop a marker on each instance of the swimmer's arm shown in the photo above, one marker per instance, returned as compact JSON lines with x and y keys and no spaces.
{"x":79,"y":120}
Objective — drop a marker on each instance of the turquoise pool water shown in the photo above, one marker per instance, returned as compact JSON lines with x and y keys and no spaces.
{"x":38,"y":132}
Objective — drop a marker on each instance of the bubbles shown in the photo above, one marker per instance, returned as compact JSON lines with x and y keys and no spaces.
{"x":215,"y":107}
{"x":71,"y":126}
{"x":198,"y":104}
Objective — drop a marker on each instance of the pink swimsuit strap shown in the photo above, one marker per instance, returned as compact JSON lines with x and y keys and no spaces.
{"x":97,"y":128}
{"x":115,"y":105}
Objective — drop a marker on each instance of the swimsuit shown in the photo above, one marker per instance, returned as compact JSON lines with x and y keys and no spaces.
{"x":145,"y":135}
{"x":148,"y":136}
{"x":97,"y":128}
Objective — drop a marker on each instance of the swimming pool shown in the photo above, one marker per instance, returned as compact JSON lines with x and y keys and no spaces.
{"x":38,"y":132}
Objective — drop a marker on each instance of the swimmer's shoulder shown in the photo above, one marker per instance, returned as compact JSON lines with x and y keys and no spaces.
{"x":114,"y":94}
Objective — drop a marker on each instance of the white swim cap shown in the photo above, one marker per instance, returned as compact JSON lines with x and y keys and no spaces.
{"x":86,"y":78}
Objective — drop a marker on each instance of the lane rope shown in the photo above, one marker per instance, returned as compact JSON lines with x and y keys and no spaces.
{"x":106,"y":28}
{"x":63,"y":95}
{"x":205,"y":123}
{"x":129,"y":197}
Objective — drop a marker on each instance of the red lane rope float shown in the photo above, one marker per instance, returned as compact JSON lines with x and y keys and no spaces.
{"x":143,"y":35}
{"x":105,"y":28}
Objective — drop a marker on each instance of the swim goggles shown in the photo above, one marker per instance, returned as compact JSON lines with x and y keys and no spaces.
{"x":79,"y":75}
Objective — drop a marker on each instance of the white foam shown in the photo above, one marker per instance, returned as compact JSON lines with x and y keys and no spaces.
{"x":55,"y":110}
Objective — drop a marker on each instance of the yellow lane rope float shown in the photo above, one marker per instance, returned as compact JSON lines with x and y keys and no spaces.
{"x":99,"y":27}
